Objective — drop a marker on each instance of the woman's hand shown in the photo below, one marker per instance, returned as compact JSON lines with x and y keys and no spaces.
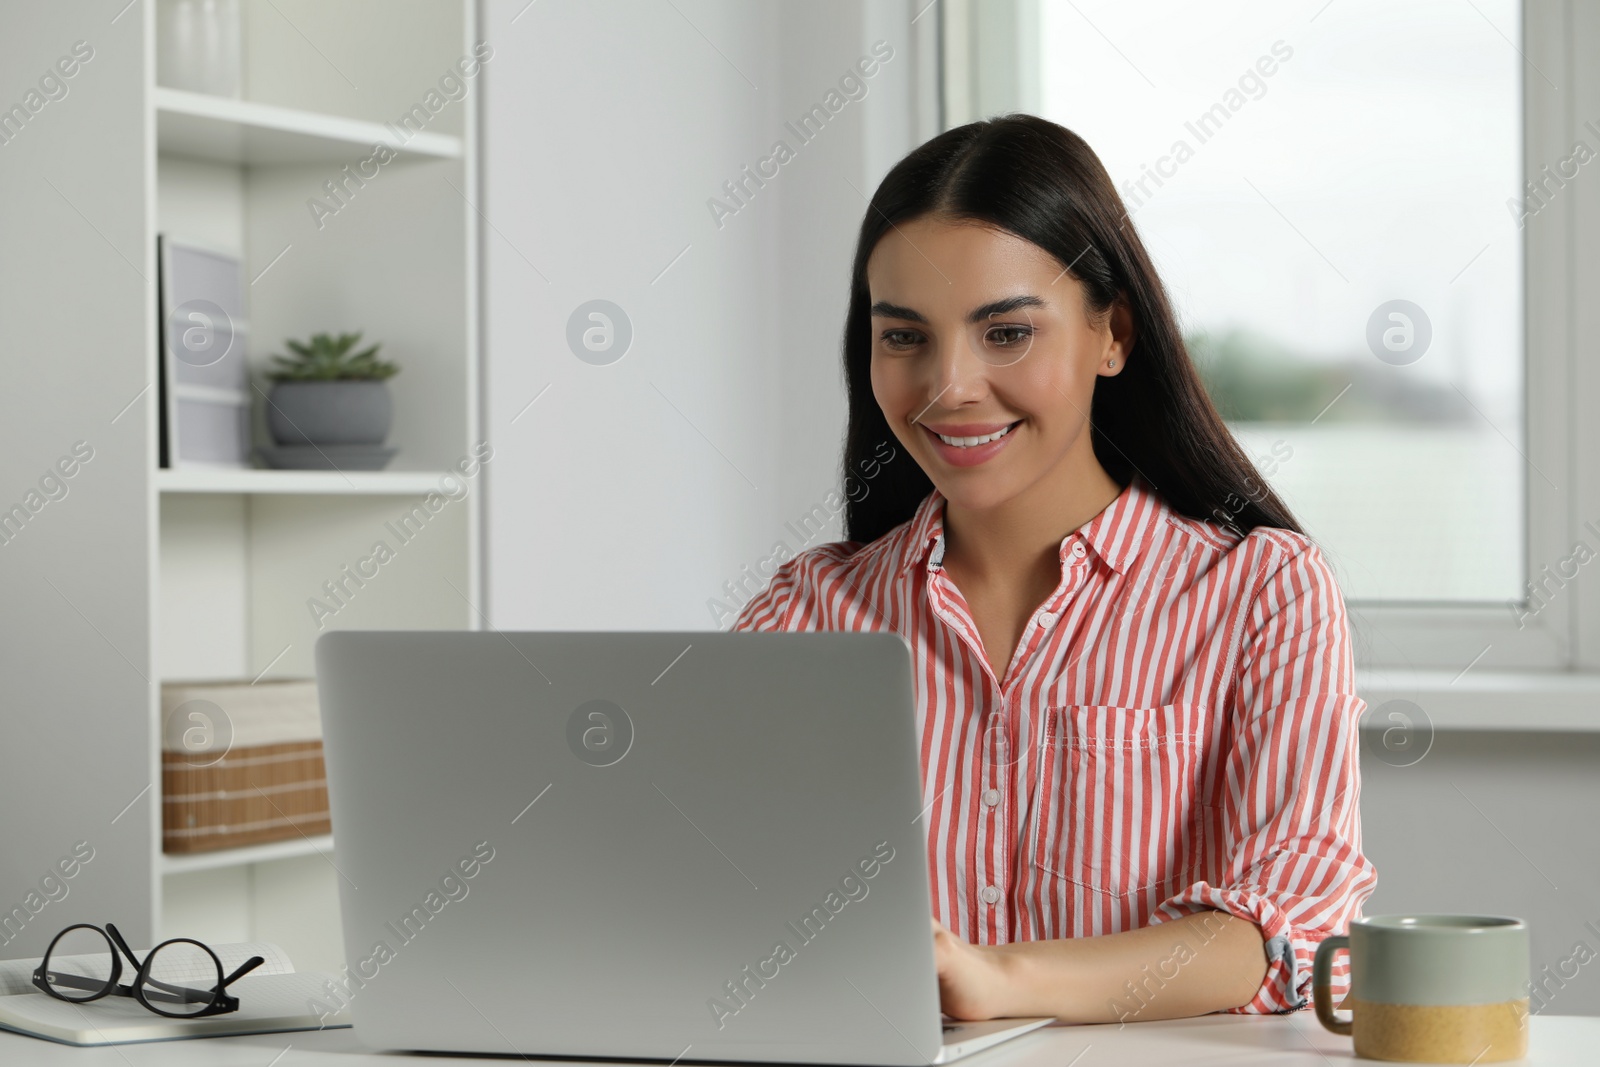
{"x":973,"y":983}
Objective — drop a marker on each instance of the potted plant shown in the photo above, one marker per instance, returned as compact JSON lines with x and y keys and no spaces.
{"x":329,"y":394}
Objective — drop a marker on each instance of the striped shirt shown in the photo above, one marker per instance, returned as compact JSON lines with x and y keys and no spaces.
{"x":1175,"y":732}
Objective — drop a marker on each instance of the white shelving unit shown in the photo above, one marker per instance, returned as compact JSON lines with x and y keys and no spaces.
{"x":129,"y":576}
{"x":243,"y":554}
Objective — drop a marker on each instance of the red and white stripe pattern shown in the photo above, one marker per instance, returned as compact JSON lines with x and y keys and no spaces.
{"x":1176,"y":732}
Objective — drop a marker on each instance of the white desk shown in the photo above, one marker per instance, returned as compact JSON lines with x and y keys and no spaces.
{"x":1223,"y":1040}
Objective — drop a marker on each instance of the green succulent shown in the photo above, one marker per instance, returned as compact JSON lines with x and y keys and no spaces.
{"x":329,"y":358}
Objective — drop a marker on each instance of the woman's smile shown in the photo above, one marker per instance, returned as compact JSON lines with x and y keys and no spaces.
{"x":970,"y":444}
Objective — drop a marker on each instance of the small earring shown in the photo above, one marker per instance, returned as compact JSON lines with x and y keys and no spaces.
{"x":1110,"y":363}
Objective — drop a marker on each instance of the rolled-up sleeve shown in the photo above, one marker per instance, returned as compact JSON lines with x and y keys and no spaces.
{"x":1289,"y":803}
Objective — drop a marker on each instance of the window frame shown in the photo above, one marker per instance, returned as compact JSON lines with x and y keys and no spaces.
{"x":1444,"y":639}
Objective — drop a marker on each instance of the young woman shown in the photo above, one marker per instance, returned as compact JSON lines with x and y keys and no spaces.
{"x":1134,"y":684}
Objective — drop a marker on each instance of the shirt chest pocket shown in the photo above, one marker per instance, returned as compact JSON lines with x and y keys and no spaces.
{"x":1118,"y":796}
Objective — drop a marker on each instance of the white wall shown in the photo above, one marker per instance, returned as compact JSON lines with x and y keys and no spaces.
{"x":822,"y":203}
{"x":628,"y":494}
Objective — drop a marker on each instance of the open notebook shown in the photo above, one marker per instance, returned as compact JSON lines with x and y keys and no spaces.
{"x":272,"y":998}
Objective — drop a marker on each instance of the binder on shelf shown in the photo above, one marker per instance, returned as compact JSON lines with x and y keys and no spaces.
{"x":205,"y":380}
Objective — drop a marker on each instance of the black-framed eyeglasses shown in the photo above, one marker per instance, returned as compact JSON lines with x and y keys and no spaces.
{"x":180,"y":978}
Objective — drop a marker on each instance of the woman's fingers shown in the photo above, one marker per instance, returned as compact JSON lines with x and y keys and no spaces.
{"x":962,"y":975}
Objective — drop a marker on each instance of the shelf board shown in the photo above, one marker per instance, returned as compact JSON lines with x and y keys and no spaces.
{"x":237,"y":857}
{"x":226,"y":130}
{"x":296,"y":483}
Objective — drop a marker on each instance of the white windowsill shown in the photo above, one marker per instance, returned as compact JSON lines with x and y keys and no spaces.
{"x":1523,"y":701}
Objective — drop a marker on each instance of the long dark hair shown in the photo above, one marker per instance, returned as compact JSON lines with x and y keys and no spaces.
{"x":1040,"y":181}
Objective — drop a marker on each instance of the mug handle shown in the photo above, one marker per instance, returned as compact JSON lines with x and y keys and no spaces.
{"x":1322,"y":980}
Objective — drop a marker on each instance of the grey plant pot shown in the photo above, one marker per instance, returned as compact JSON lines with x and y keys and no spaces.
{"x":330,"y":413}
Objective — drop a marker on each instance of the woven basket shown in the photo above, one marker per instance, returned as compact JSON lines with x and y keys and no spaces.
{"x":245,"y":793}
{"x":252,"y":795}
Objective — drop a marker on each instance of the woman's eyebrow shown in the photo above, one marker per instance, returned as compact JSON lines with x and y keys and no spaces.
{"x":1002,"y":307}
{"x":895,"y":311}
{"x":978,"y":314}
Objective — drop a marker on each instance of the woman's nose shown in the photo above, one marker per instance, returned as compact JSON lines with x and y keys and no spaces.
{"x":958,"y":374}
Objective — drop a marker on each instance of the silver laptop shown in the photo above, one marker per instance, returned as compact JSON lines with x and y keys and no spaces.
{"x":670,"y":846}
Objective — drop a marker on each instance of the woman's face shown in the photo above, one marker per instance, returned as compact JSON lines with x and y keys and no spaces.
{"x":984,"y":358}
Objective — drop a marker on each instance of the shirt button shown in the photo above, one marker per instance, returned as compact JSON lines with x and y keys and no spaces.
{"x":1045,"y":619}
{"x":990,"y":894}
{"x":991,"y":797}
{"x":1077,"y":549}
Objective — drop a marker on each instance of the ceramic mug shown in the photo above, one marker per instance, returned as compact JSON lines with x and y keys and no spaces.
{"x":1431,"y":988}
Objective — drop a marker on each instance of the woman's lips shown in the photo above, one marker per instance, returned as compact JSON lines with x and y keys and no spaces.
{"x":970,"y":455}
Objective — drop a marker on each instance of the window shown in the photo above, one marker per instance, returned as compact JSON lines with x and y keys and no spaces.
{"x":1334,"y":197}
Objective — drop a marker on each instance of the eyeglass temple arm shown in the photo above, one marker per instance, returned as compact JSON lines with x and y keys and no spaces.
{"x":117,"y":939}
{"x":77,"y":981}
{"x":243,"y":969}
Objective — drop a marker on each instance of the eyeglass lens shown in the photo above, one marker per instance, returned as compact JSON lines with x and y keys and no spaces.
{"x":181,"y":980}
{"x":79,"y":963}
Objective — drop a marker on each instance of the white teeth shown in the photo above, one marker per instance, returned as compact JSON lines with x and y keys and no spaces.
{"x":968,"y":442}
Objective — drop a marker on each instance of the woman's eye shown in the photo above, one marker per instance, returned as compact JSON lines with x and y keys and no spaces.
{"x":900,"y":339}
{"x":1006,"y":336}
